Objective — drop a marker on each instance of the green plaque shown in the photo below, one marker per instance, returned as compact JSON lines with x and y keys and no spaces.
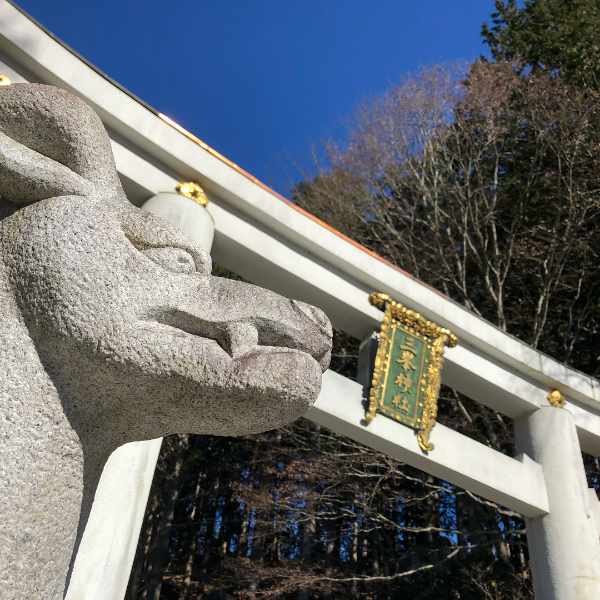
{"x":407,"y":371}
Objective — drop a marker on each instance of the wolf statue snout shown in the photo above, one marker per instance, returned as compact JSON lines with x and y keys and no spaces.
{"x":261,"y":318}
{"x":114,"y":330}
{"x":299,"y":326}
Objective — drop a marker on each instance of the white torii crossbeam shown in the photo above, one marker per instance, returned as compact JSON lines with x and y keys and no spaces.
{"x":271,"y":242}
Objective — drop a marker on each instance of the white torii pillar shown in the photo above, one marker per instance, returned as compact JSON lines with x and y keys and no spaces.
{"x":564,"y":545}
{"x":105,"y":556}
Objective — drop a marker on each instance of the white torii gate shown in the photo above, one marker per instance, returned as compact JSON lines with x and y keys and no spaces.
{"x":271,"y":242}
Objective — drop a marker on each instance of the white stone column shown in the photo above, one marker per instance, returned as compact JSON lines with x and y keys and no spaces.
{"x":190,"y":214}
{"x":107,"y":550}
{"x":564,"y":548}
{"x":109,"y":542}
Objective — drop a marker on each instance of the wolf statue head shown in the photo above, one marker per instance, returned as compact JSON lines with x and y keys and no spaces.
{"x":112,"y":329}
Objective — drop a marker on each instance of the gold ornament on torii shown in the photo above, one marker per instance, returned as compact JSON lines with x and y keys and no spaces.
{"x":407,"y":371}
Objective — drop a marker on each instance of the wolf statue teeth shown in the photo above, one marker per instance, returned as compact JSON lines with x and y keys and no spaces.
{"x":112,"y":330}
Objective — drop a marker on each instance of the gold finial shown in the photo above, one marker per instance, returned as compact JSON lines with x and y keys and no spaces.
{"x":193,"y":191}
{"x":556,"y":399}
{"x":4,"y":80}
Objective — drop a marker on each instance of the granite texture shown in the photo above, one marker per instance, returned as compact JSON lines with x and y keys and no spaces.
{"x":113,"y":330}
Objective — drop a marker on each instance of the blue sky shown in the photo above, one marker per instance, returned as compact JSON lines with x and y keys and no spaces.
{"x":264,"y":81}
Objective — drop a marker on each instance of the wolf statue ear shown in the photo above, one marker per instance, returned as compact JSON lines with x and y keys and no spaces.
{"x":52,"y":144}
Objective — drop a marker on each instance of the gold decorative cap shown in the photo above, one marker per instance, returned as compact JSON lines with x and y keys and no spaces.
{"x":4,"y":80}
{"x":193,"y":191}
{"x":556,"y":399}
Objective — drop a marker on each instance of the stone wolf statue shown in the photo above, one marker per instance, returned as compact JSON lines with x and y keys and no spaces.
{"x":112,"y":330}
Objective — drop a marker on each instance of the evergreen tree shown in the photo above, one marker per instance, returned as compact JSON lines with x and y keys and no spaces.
{"x":557,"y":36}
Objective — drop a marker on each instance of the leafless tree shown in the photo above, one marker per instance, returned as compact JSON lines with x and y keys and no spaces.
{"x":485,"y":187}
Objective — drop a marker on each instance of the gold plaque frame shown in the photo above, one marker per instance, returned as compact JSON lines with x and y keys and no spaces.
{"x":436,"y":337}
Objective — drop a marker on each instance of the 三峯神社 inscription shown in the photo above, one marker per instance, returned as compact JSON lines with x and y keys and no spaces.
{"x":407,"y":371}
